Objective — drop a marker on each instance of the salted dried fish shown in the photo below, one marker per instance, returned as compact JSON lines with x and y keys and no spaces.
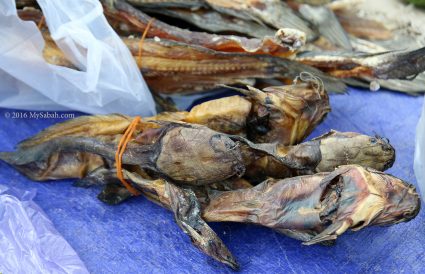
{"x":325,"y":153}
{"x":283,"y":44}
{"x":171,"y":67}
{"x":387,"y":65}
{"x":314,"y":209}
{"x":320,"y":207}
{"x":167,"y":3}
{"x":275,"y":13}
{"x":214,"y":21}
{"x":188,"y":154}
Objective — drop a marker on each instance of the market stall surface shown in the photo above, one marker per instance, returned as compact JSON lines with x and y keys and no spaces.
{"x":141,"y":237}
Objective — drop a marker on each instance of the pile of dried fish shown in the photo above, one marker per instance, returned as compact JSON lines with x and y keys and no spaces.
{"x":194,"y":45}
{"x":240,"y":158}
{"x":234,"y":159}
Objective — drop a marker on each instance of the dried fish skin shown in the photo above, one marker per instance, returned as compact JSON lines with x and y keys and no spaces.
{"x":214,"y":21}
{"x":322,"y":206}
{"x":275,"y":13}
{"x":387,"y":65}
{"x":171,"y":67}
{"x":286,"y":114}
{"x":188,"y":154}
{"x":191,"y":4}
{"x":324,"y":154}
{"x":137,"y":21}
{"x":227,"y":115}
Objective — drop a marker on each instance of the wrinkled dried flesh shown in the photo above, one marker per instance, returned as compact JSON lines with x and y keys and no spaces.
{"x":213,"y":21}
{"x":181,"y":201}
{"x":172,"y":67}
{"x":137,"y":21}
{"x":320,"y":207}
{"x":315,"y":208}
{"x":324,"y":154}
{"x":392,"y":65}
{"x":271,"y":12}
{"x":167,"y":3}
{"x":286,"y":114}
{"x":183,"y":153}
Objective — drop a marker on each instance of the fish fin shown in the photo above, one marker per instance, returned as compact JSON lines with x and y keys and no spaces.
{"x":88,"y":126}
{"x":187,"y":213}
{"x":98,"y":177}
{"x":331,"y":233}
{"x":327,"y":23}
{"x":114,"y":194}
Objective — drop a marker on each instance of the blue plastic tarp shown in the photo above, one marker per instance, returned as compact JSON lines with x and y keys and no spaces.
{"x":140,"y":237}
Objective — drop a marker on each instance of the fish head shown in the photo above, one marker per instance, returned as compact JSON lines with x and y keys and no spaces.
{"x":286,"y":114}
{"x":402,"y":202}
{"x":354,"y":148}
{"x":357,"y":197}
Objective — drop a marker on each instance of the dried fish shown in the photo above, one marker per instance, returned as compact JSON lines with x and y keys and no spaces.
{"x":325,"y":153}
{"x":275,"y":13}
{"x":283,"y":44}
{"x":387,"y":65}
{"x":284,"y":115}
{"x":187,"y":154}
{"x":319,"y":208}
{"x":171,"y":67}
{"x":214,"y":21}
{"x":314,"y":208}
{"x":167,"y":3}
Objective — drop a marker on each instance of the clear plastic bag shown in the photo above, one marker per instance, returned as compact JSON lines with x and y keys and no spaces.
{"x":29,"y":243}
{"x":419,"y":162}
{"x":108,"y":79}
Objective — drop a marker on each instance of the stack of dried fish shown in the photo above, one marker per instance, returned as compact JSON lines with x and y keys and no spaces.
{"x":235,"y":159}
{"x":193,"y":45}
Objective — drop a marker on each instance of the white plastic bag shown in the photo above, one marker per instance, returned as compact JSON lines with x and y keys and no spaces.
{"x":29,"y":243}
{"x":419,"y":162}
{"x":108,"y":79}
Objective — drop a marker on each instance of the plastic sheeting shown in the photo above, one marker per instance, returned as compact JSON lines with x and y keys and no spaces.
{"x":108,"y":79}
{"x":29,"y":243}
{"x":140,"y":237}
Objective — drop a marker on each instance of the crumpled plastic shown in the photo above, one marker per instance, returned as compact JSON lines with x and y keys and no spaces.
{"x":29,"y":243}
{"x":419,"y":162}
{"x":108,"y":79}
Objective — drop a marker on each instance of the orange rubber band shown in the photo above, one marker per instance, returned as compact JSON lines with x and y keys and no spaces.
{"x":139,"y":55}
{"x":122,"y":145}
{"x":40,"y":24}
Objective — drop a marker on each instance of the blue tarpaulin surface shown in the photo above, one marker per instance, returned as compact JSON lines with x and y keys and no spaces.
{"x":141,"y":237}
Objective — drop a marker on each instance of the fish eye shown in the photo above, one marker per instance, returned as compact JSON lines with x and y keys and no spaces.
{"x":373,"y":140}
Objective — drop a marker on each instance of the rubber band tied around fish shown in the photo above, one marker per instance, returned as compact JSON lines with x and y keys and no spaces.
{"x":120,"y":151}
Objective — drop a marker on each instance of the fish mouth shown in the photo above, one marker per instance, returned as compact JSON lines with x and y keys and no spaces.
{"x":409,"y":215}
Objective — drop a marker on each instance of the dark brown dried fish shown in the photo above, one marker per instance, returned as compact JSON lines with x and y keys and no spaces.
{"x":283,"y":44}
{"x":314,"y":209}
{"x":216,"y":22}
{"x":387,"y":65}
{"x":284,"y":115}
{"x":167,"y":3}
{"x":319,"y":208}
{"x":325,"y":153}
{"x":275,"y":13}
